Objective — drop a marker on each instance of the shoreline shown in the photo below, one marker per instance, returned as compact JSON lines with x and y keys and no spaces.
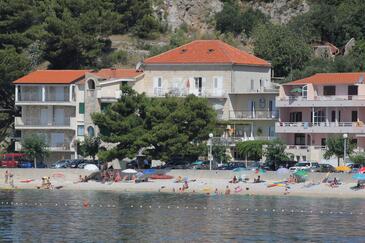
{"x":201,"y":182}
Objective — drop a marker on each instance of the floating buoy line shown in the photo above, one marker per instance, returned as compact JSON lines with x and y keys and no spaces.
{"x":87,"y":205}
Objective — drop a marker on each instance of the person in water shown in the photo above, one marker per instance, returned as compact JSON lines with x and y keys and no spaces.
{"x":228,"y":191}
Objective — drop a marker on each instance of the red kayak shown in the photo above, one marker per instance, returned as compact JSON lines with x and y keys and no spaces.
{"x":160,"y":177}
{"x":26,"y":180}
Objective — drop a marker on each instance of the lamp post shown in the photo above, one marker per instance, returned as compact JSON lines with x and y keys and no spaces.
{"x":344,"y":147}
{"x":210,"y":156}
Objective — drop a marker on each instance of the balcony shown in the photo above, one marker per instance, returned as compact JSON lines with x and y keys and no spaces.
{"x":182,"y":92}
{"x":253,"y":115}
{"x":319,"y":127}
{"x":37,"y":123}
{"x":58,"y":147}
{"x":44,"y":95}
{"x":231,"y":141}
{"x":321,"y":101}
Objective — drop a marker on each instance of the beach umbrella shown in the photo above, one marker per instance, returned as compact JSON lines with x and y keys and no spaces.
{"x":343,"y":168}
{"x":129,"y":171}
{"x":282,"y":171}
{"x":91,"y":167}
{"x":359,"y":176}
{"x":301,"y":173}
{"x":362,"y":170}
{"x":296,"y":90}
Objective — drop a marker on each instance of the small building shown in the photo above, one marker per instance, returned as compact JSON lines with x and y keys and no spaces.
{"x":322,"y":105}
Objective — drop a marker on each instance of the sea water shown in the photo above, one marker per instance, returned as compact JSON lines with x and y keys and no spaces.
{"x":89,"y":216}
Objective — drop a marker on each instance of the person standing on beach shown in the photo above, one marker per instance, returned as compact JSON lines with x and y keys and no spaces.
{"x":6,"y":176}
{"x":11,"y":179}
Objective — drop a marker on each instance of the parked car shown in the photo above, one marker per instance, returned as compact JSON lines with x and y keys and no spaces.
{"x":30,"y":164}
{"x":232,"y":166}
{"x":61,"y":164}
{"x":74,"y":163}
{"x":324,"y":168}
{"x":11,"y":160}
{"x":304,"y":166}
{"x":354,"y":167}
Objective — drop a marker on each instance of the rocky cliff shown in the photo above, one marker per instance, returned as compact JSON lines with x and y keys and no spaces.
{"x":198,"y":14}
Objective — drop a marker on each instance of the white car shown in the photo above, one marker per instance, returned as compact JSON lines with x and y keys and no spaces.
{"x":304,"y":166}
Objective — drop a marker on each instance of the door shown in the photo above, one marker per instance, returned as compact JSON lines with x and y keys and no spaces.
{"x":217,"y":86}
{"x":44,"y":117}
{"x":59,"y":117}
{"x":60,"y":93}
{"x":198,"y":86}
{"x":57,"y":140}
{"x":157,"y":86}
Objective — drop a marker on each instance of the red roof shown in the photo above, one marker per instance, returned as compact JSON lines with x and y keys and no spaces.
{"x":117,"y":73}
{"x":52,"y":77}
{"x":331,"y":78}
{"x":207,"y":52}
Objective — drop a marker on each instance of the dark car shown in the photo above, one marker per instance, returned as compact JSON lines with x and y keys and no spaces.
{"x":30,"y":164}
{"x":324,"y":168}
{"x":74,"y":163}
{"x":61,"y":164}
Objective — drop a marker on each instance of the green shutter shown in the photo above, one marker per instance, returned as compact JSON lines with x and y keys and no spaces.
{"x":82,"y":108}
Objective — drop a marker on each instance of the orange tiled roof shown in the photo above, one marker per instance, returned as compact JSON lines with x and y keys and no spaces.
{"x":207,"y":52}
{"x":52,"y":77}
{"x":331,"y":78}
{"x":117,"y":73}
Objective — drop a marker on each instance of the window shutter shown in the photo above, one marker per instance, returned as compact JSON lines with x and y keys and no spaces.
{"x":81,"y":108}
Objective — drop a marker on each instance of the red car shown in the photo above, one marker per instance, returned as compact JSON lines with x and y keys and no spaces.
{"x":11,"y":160}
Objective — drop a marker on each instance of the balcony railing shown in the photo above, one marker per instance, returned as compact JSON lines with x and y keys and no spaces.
{"x":234,"y":140}
{"x":240,"y":114}
{"x":320,"y":127}
{"x":181,"y":92}
{"x":51,"y":147}
{"x":319,"y":124}
{"x":38,"y":122}
{"x":322,"y":98}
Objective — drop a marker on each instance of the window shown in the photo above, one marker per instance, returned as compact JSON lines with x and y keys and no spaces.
{"x":81,"y":108}
{"x":354,"y":116}
{"x":329,"y":90}
{"x":90,"y":131}
{"x":319,"y":116}
{"x":295,"y":117}
{"x":323,"y":142}
{"x":252,"y":84}
{"x":80,"y":130}
{"x":198,"y":82}
{"x":352,"y":89}
{"x":299,"y":139}
{"x":305,"y":91}
{"x":104,"y":106}
{"x":18,"y":133}
{"x":91,"y":84}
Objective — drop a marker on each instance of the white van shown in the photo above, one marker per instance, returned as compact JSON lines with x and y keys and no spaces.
{"x":305,"y":165}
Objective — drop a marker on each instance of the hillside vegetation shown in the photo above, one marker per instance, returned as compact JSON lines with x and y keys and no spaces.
{"x":74,"y":34}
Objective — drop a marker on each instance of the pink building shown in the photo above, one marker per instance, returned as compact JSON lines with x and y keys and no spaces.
{"x":323,"y":105}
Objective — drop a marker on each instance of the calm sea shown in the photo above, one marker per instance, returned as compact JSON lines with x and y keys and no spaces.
{"x":73,"y":216}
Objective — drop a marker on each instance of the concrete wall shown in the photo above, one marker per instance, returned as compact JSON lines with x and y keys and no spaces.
{"x":244,"y":75}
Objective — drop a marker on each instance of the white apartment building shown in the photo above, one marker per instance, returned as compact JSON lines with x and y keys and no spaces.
{"x":236,"y":83}
{"x":51,"y":106}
